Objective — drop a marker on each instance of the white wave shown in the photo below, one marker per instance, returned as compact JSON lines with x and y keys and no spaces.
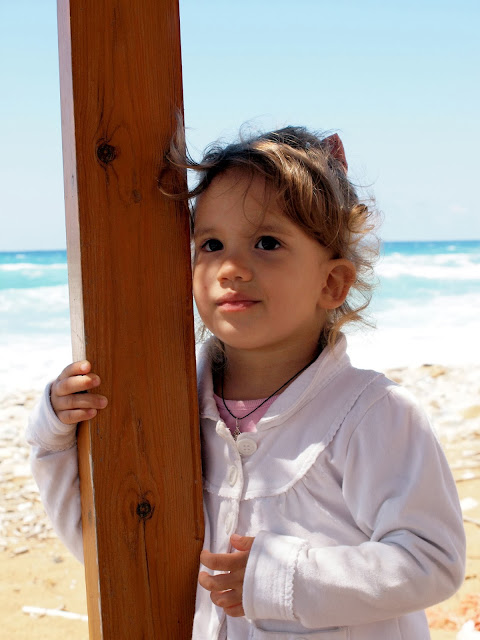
{"x":32,"y":266}
{"x":460,"y":266}
{"x":455,"y":312}
{"x":402,"y":347}
{"x":38,"y":300}
{"x":442,"y":330}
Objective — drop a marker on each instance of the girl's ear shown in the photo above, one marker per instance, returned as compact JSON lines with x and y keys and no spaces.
{"x":340,"y":276}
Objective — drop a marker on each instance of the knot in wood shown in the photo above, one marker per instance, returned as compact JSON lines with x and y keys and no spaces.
{"x":106,"y":153}
{"x":144,"y":510}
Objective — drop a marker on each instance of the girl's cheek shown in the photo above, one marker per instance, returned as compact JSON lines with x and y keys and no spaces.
{"x":198,"y":289}
{"x":201,"y":274}
{"x":195,"y":275}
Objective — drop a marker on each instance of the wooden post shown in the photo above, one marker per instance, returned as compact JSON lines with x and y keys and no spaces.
{"x":131,"y":311}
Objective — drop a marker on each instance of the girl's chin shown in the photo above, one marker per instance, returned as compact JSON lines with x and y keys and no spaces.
{"x":242,"y":342}
{"x":239,"y":341}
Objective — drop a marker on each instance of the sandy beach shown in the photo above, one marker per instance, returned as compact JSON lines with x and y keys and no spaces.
{"x":37,"y":571}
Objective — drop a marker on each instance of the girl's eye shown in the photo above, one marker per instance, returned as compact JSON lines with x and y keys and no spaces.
{"x":212,"y":245}
{"x":267,"y":243}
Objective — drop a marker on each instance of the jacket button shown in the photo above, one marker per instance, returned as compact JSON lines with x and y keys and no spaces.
{"x":246,"y":446}
{"x":232,"y":475}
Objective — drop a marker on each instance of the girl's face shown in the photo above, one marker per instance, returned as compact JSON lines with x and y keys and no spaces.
{"x":257,"y":277}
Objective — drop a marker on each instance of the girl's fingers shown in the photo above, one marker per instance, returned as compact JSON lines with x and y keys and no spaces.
{"x":76,"y":415}
{"x":225,"y":591}
{"x":68,"y":394}
{"x":241,"y":543}
{"x":75,"y":384}
{"x":221,"y":582}
{"x":80,"y":401}
{"x":75,"y":369}
{"x":224,"y":561}
{"x":228,"y":600}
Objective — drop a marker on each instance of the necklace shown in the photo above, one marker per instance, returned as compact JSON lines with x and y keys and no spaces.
{"x":237,"y":431}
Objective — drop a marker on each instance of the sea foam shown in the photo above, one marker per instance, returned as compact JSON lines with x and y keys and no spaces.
{"x":440,"y":267}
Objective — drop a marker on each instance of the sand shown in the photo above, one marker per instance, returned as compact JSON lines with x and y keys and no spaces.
{"x":37,"y":571}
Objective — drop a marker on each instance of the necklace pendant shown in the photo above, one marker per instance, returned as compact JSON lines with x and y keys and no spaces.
{"x":237,"y":431}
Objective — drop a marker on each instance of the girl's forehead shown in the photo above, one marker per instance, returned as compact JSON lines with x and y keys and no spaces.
{"x":235,"y":183}
{"x":235,"y":193}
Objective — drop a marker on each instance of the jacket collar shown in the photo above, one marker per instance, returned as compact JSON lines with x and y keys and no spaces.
{"x":328,"y":364}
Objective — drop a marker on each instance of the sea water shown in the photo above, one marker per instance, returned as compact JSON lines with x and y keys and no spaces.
{"x":426,"y":308}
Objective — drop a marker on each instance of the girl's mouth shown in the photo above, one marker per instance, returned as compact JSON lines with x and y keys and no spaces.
{"x":235,"y":303}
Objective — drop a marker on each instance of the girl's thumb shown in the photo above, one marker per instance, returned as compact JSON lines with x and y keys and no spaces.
{"x":241,"y":543}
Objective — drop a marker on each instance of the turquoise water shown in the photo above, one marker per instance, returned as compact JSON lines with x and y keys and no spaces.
{"x":32,"y":269}
{"x":426,"y":270}
{"x":427,"y":304}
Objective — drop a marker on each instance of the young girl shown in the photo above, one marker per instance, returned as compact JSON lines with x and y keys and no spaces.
{"x":330,"y":509}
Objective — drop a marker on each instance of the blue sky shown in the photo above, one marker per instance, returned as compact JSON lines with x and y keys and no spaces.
{"x":399,"y":82}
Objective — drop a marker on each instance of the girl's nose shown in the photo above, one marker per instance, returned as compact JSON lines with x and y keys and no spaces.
{"x":233,"y":268}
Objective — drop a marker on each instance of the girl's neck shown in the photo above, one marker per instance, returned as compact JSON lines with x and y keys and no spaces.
{"x":252,"y":375}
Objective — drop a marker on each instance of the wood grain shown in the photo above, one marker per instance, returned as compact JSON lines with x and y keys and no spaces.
{"x":132,"y":317}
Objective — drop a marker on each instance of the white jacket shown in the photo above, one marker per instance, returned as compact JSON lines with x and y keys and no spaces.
{"x":354,"y":511}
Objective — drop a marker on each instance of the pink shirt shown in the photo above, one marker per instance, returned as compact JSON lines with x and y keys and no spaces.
{"x":241,"y":408}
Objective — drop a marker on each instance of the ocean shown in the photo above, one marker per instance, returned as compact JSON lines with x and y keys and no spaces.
{"x":426,"y":309}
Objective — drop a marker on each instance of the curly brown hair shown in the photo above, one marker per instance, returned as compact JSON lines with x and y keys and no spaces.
{"x":309,"y":181}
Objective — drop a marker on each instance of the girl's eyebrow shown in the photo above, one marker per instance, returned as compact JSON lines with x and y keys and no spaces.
{"x":201,"y":231}
{"x":262,"y":228}
{"x":272,"y":228}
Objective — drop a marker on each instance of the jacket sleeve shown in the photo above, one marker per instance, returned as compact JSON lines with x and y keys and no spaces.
{"x":401,"y":494}
{"x":54,"y":466}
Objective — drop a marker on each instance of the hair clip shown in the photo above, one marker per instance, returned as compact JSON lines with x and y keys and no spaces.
{"x":336,"y":150}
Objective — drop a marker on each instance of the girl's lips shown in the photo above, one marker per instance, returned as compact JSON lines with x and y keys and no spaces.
{"x":233,"y":303}
{"x":239,"y":305}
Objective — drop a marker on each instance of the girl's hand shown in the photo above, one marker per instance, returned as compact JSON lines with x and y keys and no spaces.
{"x":68,"y":394}
{"x":227,"y":588}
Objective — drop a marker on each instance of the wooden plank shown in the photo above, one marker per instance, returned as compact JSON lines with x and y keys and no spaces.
{"x":131,"y":310}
